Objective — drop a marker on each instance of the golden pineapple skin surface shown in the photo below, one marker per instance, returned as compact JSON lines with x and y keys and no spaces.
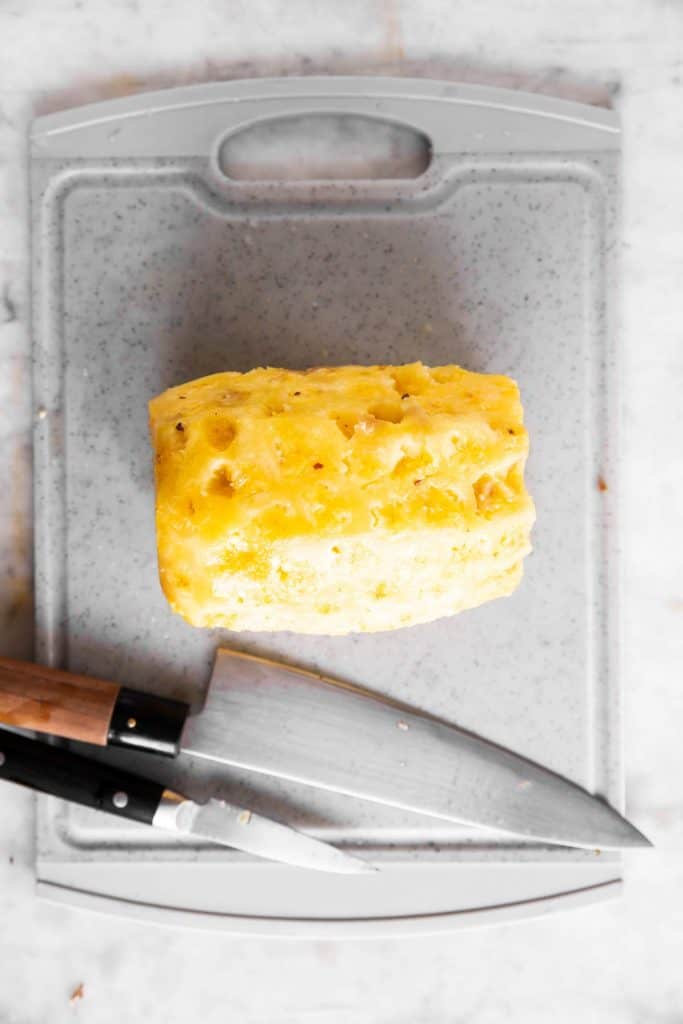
{"x":339,"y":499}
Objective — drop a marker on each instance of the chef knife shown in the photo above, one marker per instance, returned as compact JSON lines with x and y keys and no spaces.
{"x":281,"y":721}
{"x":82,"y":780}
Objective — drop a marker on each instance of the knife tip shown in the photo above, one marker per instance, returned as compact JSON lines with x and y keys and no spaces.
{"x":629,"y":838}
{"x":640,"y":840}
{"x":351,"y":864}
{"x":371,"y":869}
{"x":358,"y":866}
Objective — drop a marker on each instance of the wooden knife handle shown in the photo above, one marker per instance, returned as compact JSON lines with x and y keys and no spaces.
{"x":60,"y":703}
{"x":91,"y":710}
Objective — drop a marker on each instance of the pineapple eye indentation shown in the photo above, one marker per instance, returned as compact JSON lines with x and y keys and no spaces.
{"x":347,"y":425}
{"x":221,"y":483}
{"x":220,"y":434}
{"x":179,"y":436}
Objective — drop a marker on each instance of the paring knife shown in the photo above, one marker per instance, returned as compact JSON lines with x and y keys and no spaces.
{"x":285,"y":722}
{"x":82,"y":780}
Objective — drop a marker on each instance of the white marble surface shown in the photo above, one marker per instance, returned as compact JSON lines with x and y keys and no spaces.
{"x":610,"y":964}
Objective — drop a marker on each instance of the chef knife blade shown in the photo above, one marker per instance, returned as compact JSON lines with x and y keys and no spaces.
{"x":62,"y":773}
{"x":271,"y":718}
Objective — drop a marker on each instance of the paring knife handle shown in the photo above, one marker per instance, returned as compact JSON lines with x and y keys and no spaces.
{"x":78,"y":707}
{"x":61,"y":773}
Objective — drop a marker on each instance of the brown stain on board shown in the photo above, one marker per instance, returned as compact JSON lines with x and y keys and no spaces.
{"x":16,"y":612}
{"x":393,"y":50}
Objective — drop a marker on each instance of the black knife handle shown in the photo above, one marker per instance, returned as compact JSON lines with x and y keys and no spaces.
{"x":61,"y":773}
{"x":147,"y":722}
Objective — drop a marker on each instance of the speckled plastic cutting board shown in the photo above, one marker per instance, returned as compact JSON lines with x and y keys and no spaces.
{"x":151,"y":267}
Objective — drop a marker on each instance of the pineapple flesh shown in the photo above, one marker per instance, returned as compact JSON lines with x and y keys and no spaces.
{"x":339,"y":499}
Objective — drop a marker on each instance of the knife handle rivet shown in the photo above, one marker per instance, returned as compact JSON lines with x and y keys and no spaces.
{"x":120,"y":799}
{"x":131,"y":723}
{"x":2,"y":758}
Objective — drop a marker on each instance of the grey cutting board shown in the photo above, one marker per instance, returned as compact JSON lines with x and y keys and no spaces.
{"x":151,"y":267}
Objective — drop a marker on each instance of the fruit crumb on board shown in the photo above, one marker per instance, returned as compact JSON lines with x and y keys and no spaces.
{"x":77,"y":994}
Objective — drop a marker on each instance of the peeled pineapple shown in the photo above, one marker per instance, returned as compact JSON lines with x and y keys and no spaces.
{"x":352,"y":498}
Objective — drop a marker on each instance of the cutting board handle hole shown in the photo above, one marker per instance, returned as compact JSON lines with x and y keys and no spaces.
{"x":324,"y":146}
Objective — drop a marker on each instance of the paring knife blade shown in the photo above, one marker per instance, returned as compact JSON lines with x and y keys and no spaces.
{"x":281,"y":721}
{"x":70,"y":776}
